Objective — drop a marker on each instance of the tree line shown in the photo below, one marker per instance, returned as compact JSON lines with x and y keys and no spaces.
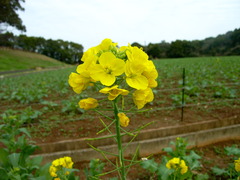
{"x":65,"y":51}
{"x":222,"y":45}
{"x":71,"y":53}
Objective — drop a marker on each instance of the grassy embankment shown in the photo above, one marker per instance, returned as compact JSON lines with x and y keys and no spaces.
{"x":11,"y":60}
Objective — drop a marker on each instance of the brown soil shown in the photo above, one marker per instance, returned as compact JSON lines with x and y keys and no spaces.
{"x":88,"y":124}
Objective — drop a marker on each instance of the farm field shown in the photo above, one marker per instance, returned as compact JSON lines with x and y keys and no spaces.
{"x":49,"y":108}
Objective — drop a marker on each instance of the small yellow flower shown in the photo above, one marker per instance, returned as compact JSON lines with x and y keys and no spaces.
{"x":58,"y":164}
{"x":53,"y":171}
{"x":113,"y":92}
{"x":89,"y":103}
{"x":177,"y":164}
{"x":124,"y":120}
{"x":105,"y":45}
{"x":135,"y":66}
{"x":108,"y":68}
{"x":57,"y":179}
{"x":183,"y":167}
{"x":69,"y":162}
{"x":171,"y":164}
{"x":151,"y":74}
{"x":237,"y":165}
{"x":141,"y":97}
{"x":134,"y":77}
{"x":79,"y":82}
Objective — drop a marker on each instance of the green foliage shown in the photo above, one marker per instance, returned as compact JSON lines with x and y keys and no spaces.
{"x":179,"y":151}
{"x":9,"y":14}
{"x":15,"y":161}
{"x":94,"y":170}
{"x":65,"y":51}
{"x":71,"y":106}
{"x":226,"y":44}
{"x":177,"y":99}
{"x":229,"y":172}
{"x":26,"y":116}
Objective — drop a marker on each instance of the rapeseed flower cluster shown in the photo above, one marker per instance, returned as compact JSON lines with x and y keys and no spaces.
{"x":117,"y":71}
{"x":57,"y":167}
{"x":177,"y":164}
{"x":237,"y":165}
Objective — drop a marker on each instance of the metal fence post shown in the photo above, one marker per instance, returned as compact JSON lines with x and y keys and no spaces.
{"x":183,"y":89}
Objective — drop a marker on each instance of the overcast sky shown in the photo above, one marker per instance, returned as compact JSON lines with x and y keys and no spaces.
{"x":88,"y":22}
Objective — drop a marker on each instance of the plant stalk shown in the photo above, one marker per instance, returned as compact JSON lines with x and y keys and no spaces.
{"x":119,"y":141}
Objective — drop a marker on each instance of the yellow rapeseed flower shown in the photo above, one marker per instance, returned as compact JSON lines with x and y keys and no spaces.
{"x":177,"y":164}
{"x":108,"y":68}
{"x":141,"y":97}
{"x":151,"y":74}
{"x":123,"y":119}
{"x":113,"y":92}
{"x":53,"y":171}
{"x":134,"y":77}
{"x":237,"y":165}
{"x":106,"y":44}
{"x":58,"y":164}
{"x":69,"y":162}
{"x":79,"y":82}
{"x":89,"y":103}
{"x":183,"y":167}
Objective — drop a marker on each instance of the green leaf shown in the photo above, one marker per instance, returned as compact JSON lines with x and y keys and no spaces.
{"x":217,"y":171}
{"x":168,"y":149}
{"x":194,"y":155}
{"x":1,"y":126}
{"x":43,"y":171}
{"x":14,"y":159}
{"x":164,"y":172}
{"x":202,"y":177}
{"x":3,"y":157}
{"x":232,"y":151}
{"x":150,"y":165}
{"x":3,"y":174}
{"x":25,"y":131}
{"x":36,"y":161}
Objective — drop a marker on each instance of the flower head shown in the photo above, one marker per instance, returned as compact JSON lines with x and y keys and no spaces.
{"x":113,"y":92}
{"x":237,"y":165}
{"x":58,"y":164}
{"x":111,"y":66}
{"x":177,"y":164}
{"x":124,"y":120}
{"x":89,"y":103}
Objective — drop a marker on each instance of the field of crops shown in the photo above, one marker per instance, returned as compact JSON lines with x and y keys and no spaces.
{"x":49,"y":108}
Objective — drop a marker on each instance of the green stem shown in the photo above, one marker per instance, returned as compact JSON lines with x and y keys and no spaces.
{"x":119,"y":141}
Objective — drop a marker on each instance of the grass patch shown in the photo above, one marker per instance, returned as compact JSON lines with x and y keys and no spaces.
{"x":18,"y":60}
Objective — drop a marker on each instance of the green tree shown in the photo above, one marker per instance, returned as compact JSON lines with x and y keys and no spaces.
{"x":181,"y":48}
{"x":7,"y":40}
{"x":9,"y":16}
